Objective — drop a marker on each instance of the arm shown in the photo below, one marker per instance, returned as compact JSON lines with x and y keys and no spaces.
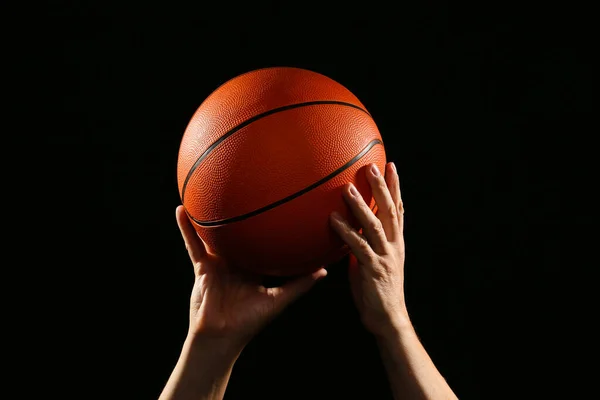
{"x":376,"y":275}
{"x":227,"y":308}
{"x":202,"y":371}
{"x":409,"y":368}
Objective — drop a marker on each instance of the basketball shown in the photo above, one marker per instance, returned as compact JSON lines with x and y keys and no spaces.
{"x":262,"y":164}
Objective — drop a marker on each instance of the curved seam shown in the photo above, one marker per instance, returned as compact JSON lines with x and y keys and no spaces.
{"x":292,"y":196}
{"x":248,"y":122}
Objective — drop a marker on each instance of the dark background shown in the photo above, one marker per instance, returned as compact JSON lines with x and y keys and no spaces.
{"x":470,"y":102}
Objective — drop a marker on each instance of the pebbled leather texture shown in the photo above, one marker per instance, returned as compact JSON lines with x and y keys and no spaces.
{"x":270,"y":159}
{"x":248,"y":95}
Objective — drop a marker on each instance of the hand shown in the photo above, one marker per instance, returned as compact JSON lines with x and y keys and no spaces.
{"x":376,"y":275}
{"x":376,"y":270}
{"x":228,"y":304}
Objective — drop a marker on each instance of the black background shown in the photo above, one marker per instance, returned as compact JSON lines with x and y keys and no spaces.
{"x":469,"y":101}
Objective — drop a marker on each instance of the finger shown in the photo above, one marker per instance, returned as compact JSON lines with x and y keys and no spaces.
{"x":388,"y":212}
{"x":371,"y":225}
{"x":397,"y":195}
{"x":358,"y":244}
{"x":286,"y":294}
{"x":393,"y":182}
{"x":193,"y":243}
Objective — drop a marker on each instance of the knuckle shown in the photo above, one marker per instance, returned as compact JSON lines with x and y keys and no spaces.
{"x":363,"y":245}
{"x":375,"y":225}
{"x":362,"y":209}
{"x":392,"y":211}
{"x":401,"y":207}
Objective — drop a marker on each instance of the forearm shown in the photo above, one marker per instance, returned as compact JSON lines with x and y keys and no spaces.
{"x":411,"y":372}
{"x":202,"y":371}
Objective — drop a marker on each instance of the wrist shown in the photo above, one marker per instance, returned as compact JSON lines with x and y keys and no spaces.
{"x":394,"y":328}
{"x":212,"y":347}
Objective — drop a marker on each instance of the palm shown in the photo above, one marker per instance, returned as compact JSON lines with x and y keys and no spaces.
{"x":232,"y":302}
{"x":228,"y":302}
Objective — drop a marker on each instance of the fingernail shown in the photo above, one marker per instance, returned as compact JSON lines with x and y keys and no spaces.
{"x":353,"y":191}
{"x":335,"y":215}
{"x":394,"y":167}
{"x":374,"y":170}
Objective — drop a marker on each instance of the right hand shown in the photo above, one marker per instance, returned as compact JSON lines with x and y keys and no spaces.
{"x":229,"y":304}
{"x":376,"y":270}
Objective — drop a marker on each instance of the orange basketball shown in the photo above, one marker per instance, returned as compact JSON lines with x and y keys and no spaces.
{"x":263,"y":162}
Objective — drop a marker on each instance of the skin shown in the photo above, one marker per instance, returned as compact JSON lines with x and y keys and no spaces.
{"x":228,"y":307}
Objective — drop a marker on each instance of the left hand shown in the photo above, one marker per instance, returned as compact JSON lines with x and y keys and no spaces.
{"x":231,"y":305}
{"x":376,"y":270}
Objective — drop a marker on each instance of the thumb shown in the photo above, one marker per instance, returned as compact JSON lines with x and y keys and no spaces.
{"x":286,"y":294}
{"x":193,"y":243}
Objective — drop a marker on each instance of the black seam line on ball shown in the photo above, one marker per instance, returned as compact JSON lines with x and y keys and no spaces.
{"x":293,"y":196}
{"x":206,"y":224}
{"x":251,"y":120}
